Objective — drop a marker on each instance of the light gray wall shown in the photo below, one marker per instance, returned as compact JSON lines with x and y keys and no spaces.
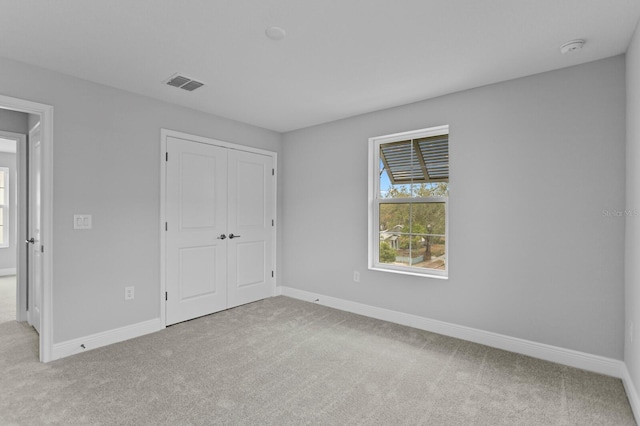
{"x":14,"y":121}
{"x":632,"y":234}
{"x":534,"y":162}
{"x":8,"y":254}
{"x":107,"y":163}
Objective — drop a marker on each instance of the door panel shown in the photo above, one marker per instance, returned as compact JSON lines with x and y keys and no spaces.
{"x":250,"y":215}
{"x":250,"y":265}
{"x":196,"y":212}
{"x":250,"y":183}
{"x":197,"y":267}
{"x":198,"y":207}
{"x":34,"y":252}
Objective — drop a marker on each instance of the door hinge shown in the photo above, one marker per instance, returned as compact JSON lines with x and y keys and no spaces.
{"x":166,"y":295}
{"x":166,"y":156}
{"x":271,"y":274}
{"x":273,"y":172}
{"x":166,"y":226}
{"x":41,"y":249}
{"x":273,"y":222}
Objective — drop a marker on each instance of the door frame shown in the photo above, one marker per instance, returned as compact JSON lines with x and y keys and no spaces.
{"x":166,"y":133}
{"x":46,"y":127}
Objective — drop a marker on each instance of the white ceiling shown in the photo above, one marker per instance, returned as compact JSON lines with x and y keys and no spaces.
{"x":340,"y":57}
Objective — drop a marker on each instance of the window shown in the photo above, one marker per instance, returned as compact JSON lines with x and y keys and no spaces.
{"x":409,"y":191}
{"x":4,"y":207}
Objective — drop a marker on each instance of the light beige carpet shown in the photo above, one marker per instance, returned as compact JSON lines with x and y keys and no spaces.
{"x":285,"y":362}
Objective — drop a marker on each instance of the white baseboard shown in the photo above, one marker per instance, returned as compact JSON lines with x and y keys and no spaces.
{"x":585,"y":361}
{"x":7,"y":271}
{"x":93,"y":341}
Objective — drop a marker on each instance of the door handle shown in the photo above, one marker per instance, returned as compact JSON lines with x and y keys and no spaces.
{"x":31,"y":241}
{"x":222,"y":236}
{"x":233,"y":236}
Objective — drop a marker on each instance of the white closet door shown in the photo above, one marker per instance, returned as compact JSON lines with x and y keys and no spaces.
{"x":250,"y":223}
{"x":196,"y":212}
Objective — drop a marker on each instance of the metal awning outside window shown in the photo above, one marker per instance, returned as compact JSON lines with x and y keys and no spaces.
{"x":417,"y":161}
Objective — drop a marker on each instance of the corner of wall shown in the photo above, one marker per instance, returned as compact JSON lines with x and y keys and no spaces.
{"x":632,"y":226}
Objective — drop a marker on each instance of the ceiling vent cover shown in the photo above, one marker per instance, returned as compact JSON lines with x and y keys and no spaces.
{"x":183,"y":82}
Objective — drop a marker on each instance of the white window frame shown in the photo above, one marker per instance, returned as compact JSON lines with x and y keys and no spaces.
{"x":6,"y":208}
{"x":375,"y":200}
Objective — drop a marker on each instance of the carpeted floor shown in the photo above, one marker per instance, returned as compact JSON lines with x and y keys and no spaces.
{"x":7,"y":298}
{"x":282,"y":361}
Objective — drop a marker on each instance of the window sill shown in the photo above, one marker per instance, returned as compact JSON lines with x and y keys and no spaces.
{"x":415,"y":274}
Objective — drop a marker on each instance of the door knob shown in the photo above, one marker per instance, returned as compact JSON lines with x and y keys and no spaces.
{"x":31,"y":241}
{"x":233,"y":236}
{"x":222,"y":236}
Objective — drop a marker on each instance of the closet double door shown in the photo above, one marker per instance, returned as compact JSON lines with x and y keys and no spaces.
{"x":219,"y":210}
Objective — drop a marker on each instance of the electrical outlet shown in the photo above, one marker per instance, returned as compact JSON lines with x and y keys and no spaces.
{"x":129,"y":293}
{"x":356,"y":276}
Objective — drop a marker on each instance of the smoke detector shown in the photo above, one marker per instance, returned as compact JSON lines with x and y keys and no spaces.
{"x":571,"y":46}
{"x":184,"y":83}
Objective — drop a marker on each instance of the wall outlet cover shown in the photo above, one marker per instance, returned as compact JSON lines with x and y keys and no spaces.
{"x":82,"y":221}
{"x":129,"y":293}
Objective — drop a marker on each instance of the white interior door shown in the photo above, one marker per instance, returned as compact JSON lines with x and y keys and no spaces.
{"x":250,"y":228}
{"x":196,"y":213}
{"x":34,"y":251}
{"x":219,"y":205}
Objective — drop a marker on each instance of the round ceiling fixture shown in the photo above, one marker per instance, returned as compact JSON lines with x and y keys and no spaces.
{"x":275,"y":33}
{"x":572,"y":46}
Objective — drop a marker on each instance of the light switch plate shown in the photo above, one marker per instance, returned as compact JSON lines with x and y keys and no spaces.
{"x":81,"y":221}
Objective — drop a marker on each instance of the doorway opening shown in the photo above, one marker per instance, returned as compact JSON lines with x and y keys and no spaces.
{"x":26,"y":218}
{"x":10,"y":211}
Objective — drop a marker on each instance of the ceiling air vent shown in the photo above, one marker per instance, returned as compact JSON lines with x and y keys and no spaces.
{"x":183,"y":82}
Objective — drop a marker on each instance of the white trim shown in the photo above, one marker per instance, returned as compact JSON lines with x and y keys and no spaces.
{"x":166,"y":133}
{"x":46,"y":122}
{"x":569,"y":357}
{"x":632,"y":392}
{"x":97,"y":340}
{"x":7,"y":271}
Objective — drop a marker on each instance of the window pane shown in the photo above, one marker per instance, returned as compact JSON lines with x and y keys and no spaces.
{"x":388,"y":250}
{"x":394,"y":224}
{"x":414,"y":168}
{"x":428,"y":252}
{"x":399,"y":169}
{"x":413,"y":234}
{"x":427,"y":218}
{"x":2,"y":178}
{"x":2,"y":196}
{"x":394,"y":218}
{"x":427,"y":235}
{"x":1,"y":216}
